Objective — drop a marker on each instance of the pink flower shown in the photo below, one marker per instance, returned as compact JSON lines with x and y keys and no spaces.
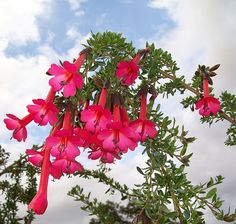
{"x":44,"y":111}
{"x":83,"y":135}
{"x":65,"y":165}
{"x":98,"y":152}
{"x":143,"y":127}
{"x":117,"y":137}
{"x":96,"y":117}
{"x":18,"y":125}
{"x":35,"y":157}
{"x":65,"y":77}
{"x":106,"y":157}
{"x":64,"y":141}
{"x":208,"y":105}
{"x":127,"y":71}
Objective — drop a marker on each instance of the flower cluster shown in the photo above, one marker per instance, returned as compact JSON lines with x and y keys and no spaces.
{"x":101,"y":125}
{"x":103,"y":128}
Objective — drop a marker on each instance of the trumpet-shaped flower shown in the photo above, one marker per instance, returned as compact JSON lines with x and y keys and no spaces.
{"x":66,"y":78}
{"x":127,"y":71}
{"x":96,"y":118}
{"x":64,"y":141}
{"x":18,"y":126}
{"x":35,"y":157}
{"x":117,"y":137}
{"x":208,"y":105}
{"x":143,"y":127}
{"x":65,"y":165}
{"x":98,"y":152}
{"x":44,"y":111}
{"x":39,"y":203}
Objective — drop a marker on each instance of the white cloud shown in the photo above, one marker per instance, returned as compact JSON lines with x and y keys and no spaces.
{"x":163,"y":4}
{"x":18,"y":21}
{"x":204,"y":33}
{"x":79,"y":40}
{"x":76,"y":6}
{"x":101,"y":19}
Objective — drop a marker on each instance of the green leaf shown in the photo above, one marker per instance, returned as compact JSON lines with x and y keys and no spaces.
{"x":211,"y":193}
{"x":140,"y":170}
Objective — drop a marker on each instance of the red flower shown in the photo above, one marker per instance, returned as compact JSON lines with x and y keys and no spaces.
{"x":39,"y":203}
{"x":35,"y":157}
{"x":18,"y":125}
{"x":65,"y":77}
{"x":143,"y":127}
{"x":97,"y":151}
{"x":64,"y":165}
{"x":117,"y":137}
{"x":44,"y":111}
{"x":208,"y":104}
{"x":96,"y":117}
{"x":127,"y":71}
{"x":64,"y":141}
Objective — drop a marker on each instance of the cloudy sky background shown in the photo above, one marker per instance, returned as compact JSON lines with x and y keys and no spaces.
{"x":34,"y":34}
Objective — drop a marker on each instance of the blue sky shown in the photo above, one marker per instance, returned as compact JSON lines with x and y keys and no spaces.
{"x":35,"y":34}
{"x":133,"y":18}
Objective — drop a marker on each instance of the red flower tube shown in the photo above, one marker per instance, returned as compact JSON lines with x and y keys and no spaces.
{"x":208,"y":104}
{"x":143,"y":127}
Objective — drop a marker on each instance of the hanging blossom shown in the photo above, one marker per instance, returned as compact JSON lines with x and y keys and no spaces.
{"x":39,"y":202}
{"x":96,"y":117}
{"x":98,"y":152}
{"x":64,"y":141}
{"x":127,"y":71}
{"x":35,"y":157}
{"x":63,"y":164}
{"x":44,"y":111}
{"x":143,"y":127}
{"x":117,"y":138}
{"x":208,"y":104}
{"x":66,"y":77}
{"x":18,"y":126}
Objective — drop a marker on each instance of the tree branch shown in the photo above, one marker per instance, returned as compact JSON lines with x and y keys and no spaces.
{"x":191,"y":89}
